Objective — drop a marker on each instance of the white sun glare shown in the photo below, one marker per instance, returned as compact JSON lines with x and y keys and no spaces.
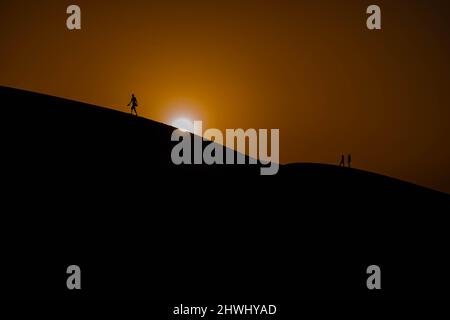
{"x":183,"y":124}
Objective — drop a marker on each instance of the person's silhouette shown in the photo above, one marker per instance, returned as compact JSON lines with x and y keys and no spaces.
{"x":133,"y":104}
{"x":349,"y":160}
{"x":342,"y":163}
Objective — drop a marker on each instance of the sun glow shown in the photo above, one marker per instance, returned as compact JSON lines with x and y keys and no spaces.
{"x":183,"y":124}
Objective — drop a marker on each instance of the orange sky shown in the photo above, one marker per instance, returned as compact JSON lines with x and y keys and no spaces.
{"x":310,"y":68}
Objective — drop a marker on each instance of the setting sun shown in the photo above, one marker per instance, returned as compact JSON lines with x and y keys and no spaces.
{"x":183,"y":124}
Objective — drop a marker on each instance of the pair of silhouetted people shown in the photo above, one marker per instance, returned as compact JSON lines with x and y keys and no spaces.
{"x":133,"y":104}
{"x":349,"y":161}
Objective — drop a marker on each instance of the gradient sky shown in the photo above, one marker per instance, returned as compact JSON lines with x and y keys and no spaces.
{"x":310,"y":68}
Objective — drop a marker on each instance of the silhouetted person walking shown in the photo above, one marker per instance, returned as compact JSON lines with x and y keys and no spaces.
{"x":349,"y":160}
{"x":133,"y":104}
{"x":342,"y":163}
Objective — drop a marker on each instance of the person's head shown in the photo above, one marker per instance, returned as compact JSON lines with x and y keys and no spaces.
{"x":132,"y":95}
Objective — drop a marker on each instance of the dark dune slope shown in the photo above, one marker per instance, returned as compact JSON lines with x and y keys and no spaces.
{"x":88,"y":185}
